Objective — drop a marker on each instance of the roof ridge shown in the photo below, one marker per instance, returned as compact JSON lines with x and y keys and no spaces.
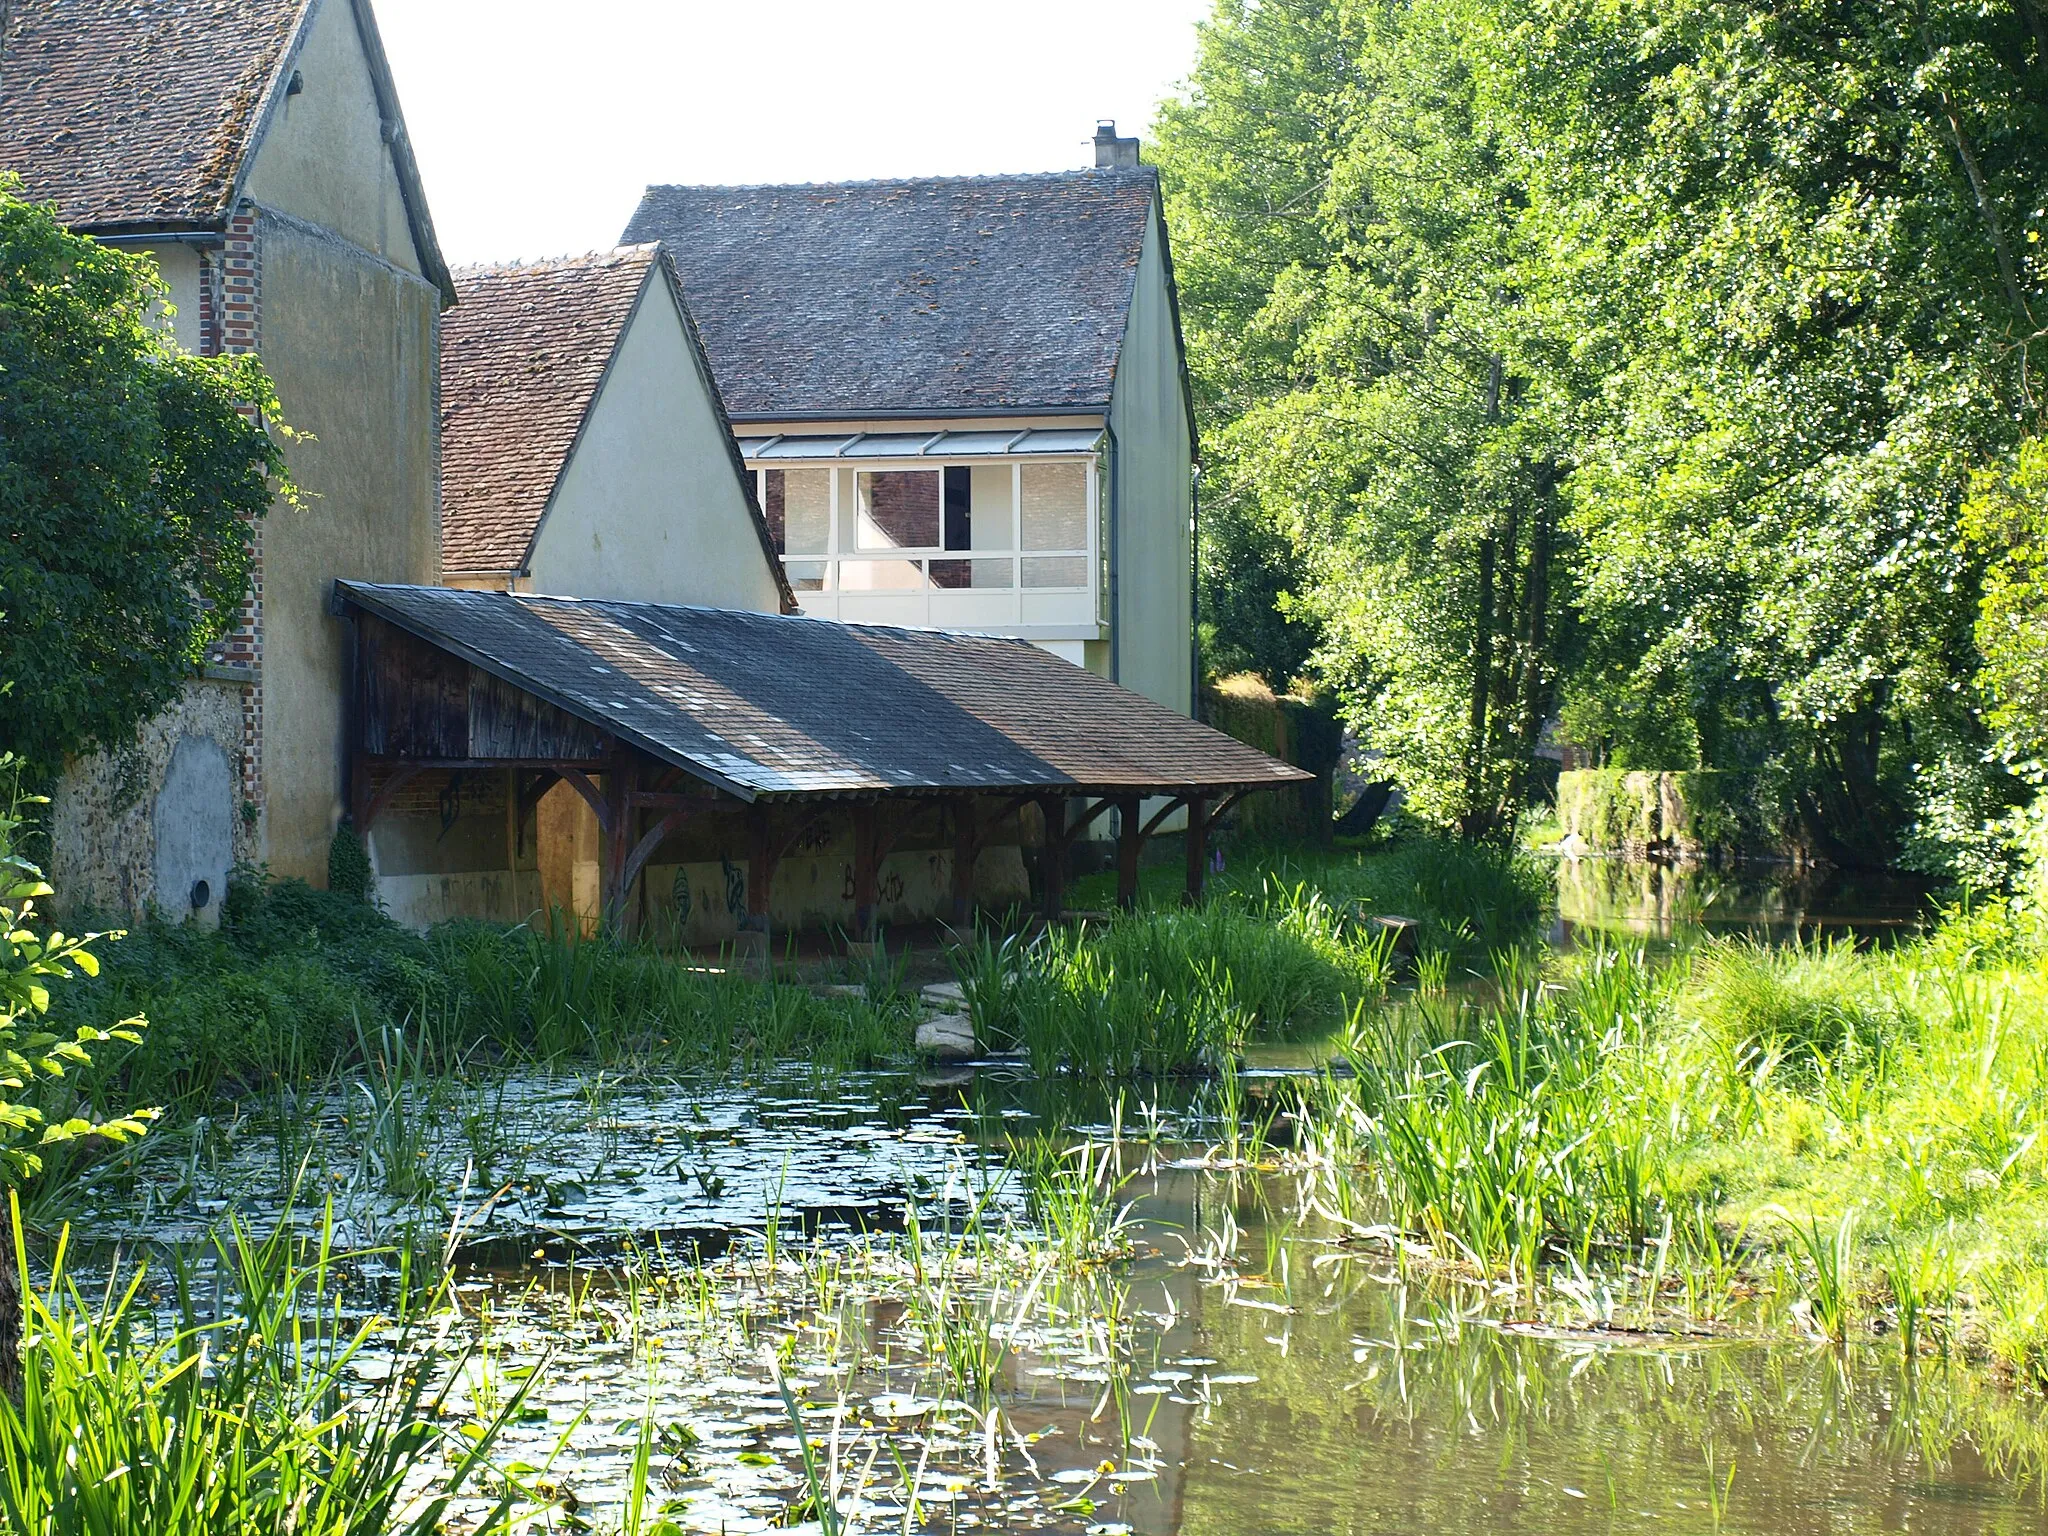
{"x":618,"y":255}
{"x":1106,"y":172}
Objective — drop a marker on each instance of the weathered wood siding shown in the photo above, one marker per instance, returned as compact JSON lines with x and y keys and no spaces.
{"x":419,"y":701}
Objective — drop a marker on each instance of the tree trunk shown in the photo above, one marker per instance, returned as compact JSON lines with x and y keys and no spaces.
{"x":1482,"y":691}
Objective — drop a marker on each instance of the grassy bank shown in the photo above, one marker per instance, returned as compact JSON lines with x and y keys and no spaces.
{"x":298,"y":984}
{"x":1848,"y":1141}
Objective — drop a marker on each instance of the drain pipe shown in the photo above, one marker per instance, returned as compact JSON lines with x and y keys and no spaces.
{"x":1116,"y":616}
{"x":1194,"y":591}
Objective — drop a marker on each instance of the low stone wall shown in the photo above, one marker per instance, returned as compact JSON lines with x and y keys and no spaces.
{"x":1694,"y":814}
{"x":157,"y":823}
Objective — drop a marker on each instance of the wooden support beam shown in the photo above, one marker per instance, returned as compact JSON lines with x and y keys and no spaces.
{"x":600,"y":806}
{"x":867,"y":869}
{"x":651,"y":840}
{"x":1198,"y":848}
{"x":762,"y":857}
{"x":966,"y":850}
{"x":401,"y":776}
{"x":1053,"y":856}
{"x":617,"y":827}
{"x":1130,"y":840}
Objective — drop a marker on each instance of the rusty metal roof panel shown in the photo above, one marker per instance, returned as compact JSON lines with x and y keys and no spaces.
{"x":766,"y":704}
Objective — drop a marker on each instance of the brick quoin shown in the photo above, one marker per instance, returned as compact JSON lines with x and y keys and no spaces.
{"x":239,"y":329}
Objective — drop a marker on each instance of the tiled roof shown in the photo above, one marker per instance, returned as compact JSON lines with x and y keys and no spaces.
{"x":136,"y":111}
{"x":776,"y":705}
{"x":987,"y":293}
{"x":522,"y":356}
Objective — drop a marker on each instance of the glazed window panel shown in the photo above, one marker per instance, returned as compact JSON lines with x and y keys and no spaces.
{"x":1069,"y":571}
{"x":898,"y":509}
{"x":798,"y":506}
{"x":1055,"y":507}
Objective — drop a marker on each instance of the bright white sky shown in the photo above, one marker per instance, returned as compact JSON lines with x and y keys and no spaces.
{"x":537,"y":122}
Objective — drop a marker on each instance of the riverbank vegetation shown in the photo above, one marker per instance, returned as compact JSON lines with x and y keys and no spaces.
{"x":1854,"y":1135}
{"x":1663,"y":378}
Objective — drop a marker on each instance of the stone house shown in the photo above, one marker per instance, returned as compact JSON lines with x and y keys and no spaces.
{"x":254,"y":148}
{"x":584,"y":452}
{"x":965,"y":400}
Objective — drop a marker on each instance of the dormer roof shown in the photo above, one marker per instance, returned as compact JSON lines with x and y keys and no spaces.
{"x":951,"y":296}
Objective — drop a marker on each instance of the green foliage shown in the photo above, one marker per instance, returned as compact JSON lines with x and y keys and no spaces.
{"x":2006,"y":519}
{"x":128,"y":473}
{"x":1630,"y":362}
{"x":300,"y":984}
{"x":1830,"y":1117}
{"x":348,"y":865}
{"x":35,"y":1060}
{"x":244,"y":1424}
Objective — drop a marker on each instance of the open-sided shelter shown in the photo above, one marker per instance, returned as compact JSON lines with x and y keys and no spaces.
{"x":713,"y":746}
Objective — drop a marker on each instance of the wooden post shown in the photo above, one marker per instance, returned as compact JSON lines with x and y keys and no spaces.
{"x":966,"y":849}
{"x":753,"y":946}
{"x":616,"y":836}
{"x":1130,"y":838}
{"x":1198,"y":848}
{"x":866,"y":871}
{"x":1053,"y":857}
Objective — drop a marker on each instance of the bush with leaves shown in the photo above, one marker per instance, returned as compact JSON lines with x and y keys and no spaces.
{"x":33,"y":1057}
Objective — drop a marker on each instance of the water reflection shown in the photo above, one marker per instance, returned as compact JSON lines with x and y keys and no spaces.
{"x":1610,"y":897}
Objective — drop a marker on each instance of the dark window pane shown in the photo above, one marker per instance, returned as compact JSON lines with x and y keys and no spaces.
{"x":959,"y":507}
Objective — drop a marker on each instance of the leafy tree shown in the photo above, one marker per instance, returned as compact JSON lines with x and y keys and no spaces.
{"x":34,"y":1059}
{"x":1245,"y":163}
{"x":1806,"y":232}
{"x":2007,"y":520}
{"x":128,"y":474}
{"x":1633,"y":368}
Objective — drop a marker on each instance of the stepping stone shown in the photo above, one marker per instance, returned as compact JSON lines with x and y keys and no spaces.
{"x":944,"y":994}
{"x":947,"y":1036}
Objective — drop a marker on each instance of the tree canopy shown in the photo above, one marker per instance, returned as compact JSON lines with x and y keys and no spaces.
{"x":129,"y":471}
{"x":1628,"y":365}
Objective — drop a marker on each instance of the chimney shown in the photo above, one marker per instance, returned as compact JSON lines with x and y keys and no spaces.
{"x":1111,"y":151}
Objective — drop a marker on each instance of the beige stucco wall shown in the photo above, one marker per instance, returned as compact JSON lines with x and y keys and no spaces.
{"x":651,"y":507}
{"x":179,"y":265}
{"x":104,"y":814}
{"x":323,"y":157}
{"x":1154,"y":552}
{"x":350,"y":343}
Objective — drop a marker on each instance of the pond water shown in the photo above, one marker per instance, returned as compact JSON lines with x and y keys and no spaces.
{"x":1238,"y":1370}
{"x":663,"y":1257}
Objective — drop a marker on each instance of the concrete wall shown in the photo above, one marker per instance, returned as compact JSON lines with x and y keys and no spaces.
{"x":350,"y":341}
{"x":1148,"y":413}
{"x":135,"y":828}
{"x":651,"y":507}
{"x":324,"y":157}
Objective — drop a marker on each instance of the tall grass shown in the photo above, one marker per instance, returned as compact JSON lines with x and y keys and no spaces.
{"x":298,"y":984}
{"x":1869,"y":1128}
{"x":252,"y":1423}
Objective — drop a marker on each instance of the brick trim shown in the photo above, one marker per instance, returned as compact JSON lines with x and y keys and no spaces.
{"x":240,"y":330}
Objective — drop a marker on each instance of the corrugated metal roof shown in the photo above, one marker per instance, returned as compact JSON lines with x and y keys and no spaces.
{"x":925,"y":445}
{"x":764,"y":704}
